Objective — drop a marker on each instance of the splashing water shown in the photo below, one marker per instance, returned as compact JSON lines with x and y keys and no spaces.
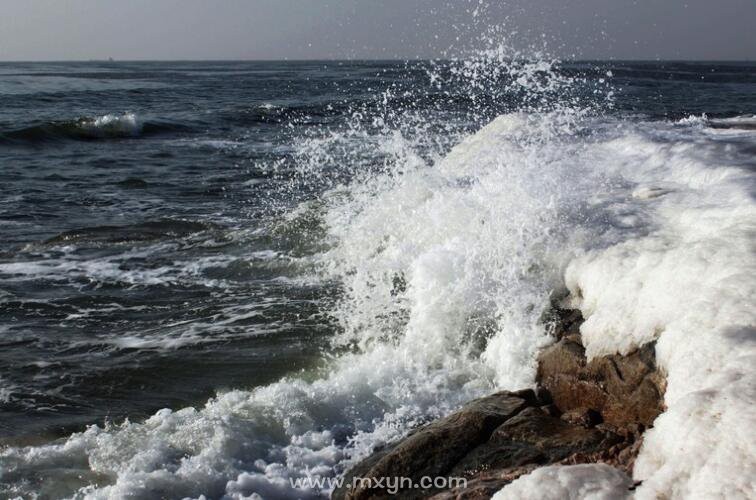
{"x":448,"y":243}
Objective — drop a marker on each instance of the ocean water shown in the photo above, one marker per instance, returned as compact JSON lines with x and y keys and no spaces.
{"x":217,"y":277}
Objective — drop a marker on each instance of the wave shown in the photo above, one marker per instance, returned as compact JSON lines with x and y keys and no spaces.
{"x":736,"y":122}
{"x":110,"y":126}
{"x":144,"y":231}
{"x":539,"y":203}
{"x":447,"y":261}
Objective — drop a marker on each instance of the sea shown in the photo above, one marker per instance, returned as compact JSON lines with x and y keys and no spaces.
{"x":217,"y":278}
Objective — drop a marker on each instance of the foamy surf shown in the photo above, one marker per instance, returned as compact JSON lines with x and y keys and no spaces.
{"x":447,"y":269}
{"x":745,"y":122}
{"x":444,"y":258}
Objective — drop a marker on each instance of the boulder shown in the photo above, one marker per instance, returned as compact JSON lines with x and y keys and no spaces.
{"x":581,"y":412}
{"x":489,"y":442}
{"x":621,"y":391}
{"x":433,"y":450}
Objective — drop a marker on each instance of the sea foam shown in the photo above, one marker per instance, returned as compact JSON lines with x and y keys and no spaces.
{"x":689,"y":285}
{"x":479,"y":241}
{"x":447,"y":263}
{"x":574,"y":482}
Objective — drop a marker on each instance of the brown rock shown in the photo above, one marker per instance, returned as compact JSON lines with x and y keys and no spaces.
{"x":624,"y":390}
{"x":584,"y":417}
{"x":582,"y":412}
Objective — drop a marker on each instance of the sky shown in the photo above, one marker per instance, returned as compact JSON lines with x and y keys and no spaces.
{"x":372,"y":29}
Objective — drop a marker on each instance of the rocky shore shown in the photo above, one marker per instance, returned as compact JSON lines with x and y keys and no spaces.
{"x":580,"y":412}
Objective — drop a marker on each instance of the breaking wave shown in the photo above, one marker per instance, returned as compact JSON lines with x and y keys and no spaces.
{"x":447,"y":259}
{"x":110,"y":126}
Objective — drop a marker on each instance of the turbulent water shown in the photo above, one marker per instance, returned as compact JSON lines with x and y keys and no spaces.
{"x":217,"y":277}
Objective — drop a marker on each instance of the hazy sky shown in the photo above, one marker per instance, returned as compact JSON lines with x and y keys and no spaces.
{"x":335,"y":29}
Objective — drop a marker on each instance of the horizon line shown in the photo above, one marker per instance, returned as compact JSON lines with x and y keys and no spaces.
{"x":368,"y":59}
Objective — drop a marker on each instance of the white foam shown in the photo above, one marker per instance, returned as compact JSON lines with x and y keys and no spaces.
{"x":688,"y":283}
{"x":446,"y":270}
{"x":406,"y":371}
{"x":736,"y":121}
{"x":126,"y":124}
{"x":574,"y":482}
{"x":106,"y":270}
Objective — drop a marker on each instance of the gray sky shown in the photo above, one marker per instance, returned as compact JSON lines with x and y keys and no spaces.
{"x":336,"y":29}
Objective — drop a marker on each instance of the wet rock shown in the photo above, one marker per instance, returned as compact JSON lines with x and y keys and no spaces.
{"x":584,"y":417}
{"x":485,"y":484}
{"x":561,"y":322}
{"x":489,"y":442}
{"x":581,"y":412}
{"x":532,"y":437}
{"x":436,"y":448}
{"x":623,"y":390}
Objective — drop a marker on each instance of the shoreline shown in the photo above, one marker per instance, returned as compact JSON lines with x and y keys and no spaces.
{"x":580,"y":412}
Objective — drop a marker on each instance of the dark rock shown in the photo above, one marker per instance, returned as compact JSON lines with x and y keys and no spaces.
{"x":531,"y":437}
{"x":436,"y":448}
{"x":489,"y":442}
{"x":563,"y":323}
{"x":544,"y":396}
{"x":551,"y":409}
{"x":581,"y":412}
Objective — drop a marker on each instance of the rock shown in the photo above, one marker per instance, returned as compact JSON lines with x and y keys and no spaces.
{"x":581,"y":412}
{"x":489,"y":442}
{"x":485,"y":484}
{"x":433,"y":450}
{"x":561,"y":322}
{"x":532,"y":437}
{"x":623,"y":390}
{"x":584,"y":417}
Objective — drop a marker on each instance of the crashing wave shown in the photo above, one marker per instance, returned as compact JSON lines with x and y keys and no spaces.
{"x":447,"y":262}
{"x":480,"y":240}
{"x":110,"y":126}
